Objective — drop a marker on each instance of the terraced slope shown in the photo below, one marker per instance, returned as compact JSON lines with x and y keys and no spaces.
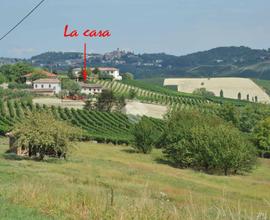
{"x":152,"y":95}
{"x":100,"y":126}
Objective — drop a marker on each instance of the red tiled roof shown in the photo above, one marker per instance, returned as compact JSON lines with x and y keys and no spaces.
{"x":43,"y":72}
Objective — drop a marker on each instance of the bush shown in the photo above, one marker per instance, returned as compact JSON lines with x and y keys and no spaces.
{"x":262,"y":137}
{"x":42,"y":135}
{"x":203,"y":92}
{"x":145,"y":135}
{"x":15,"y":85}
{"x":206,"y":143}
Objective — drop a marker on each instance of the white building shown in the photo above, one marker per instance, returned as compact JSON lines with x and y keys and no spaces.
{"x":110,"y":71}
{"x":28,"y":77}
{"x":47,"y":86}
{"x":90,"y":88}
{"x":76,"y":72}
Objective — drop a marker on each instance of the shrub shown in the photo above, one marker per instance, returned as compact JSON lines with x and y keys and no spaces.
{"x":145,"y":135}
{"x":207,"y":143}
{"x":203,"y":92}
{"x":42,"y":135}
{"x":262,"y":137}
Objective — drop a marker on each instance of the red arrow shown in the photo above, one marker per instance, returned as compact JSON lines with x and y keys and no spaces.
{"x":84,"y":73}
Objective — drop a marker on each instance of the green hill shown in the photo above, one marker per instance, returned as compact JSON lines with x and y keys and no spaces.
{"x":101,"y":181}
{"x":219,"y":61}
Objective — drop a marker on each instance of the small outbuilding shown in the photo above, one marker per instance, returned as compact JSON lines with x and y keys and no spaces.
{"x":14,"y":148}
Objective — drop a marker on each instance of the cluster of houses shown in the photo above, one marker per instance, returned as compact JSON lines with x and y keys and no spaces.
{"x":49,"y":84}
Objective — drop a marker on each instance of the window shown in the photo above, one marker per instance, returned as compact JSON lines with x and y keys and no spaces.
{"x":42,"y":86}
{"x":35,"y":85}
{"x":50,"y":86}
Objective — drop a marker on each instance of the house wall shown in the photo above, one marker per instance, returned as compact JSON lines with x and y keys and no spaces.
{"x":114,"y":73}
{"x":55,"y":86}
{"x":92,"y":91}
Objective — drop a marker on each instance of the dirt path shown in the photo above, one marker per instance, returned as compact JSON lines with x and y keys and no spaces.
{"x":139,"y":108}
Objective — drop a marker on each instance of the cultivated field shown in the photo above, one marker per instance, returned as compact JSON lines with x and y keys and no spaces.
{"x":139,"y":108}
{"x":230,"y":86}
{"x":59,"y":102}
{"x":100,"y":181}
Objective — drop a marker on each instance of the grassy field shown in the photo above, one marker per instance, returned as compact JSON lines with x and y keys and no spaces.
{"x":112,"y":182}
{"x":265,"y":84}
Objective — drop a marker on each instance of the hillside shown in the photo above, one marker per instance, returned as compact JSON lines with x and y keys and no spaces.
{"x":221,"y":61}
{"x":111,"y":182}
{"x":264,"y":84}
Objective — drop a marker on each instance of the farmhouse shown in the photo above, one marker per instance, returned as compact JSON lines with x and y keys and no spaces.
{"x":90,"y":88}
{"x":30,"y":76}
{"x":47,"y":86}
{"x":110,"y":71}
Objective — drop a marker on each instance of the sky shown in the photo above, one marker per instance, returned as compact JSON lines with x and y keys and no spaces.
{"x":176,"y":27}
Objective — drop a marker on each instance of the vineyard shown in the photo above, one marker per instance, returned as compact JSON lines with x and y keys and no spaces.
{"x":99,"y":126}
{"x":174,"y":100}
{"x":163,"y":96}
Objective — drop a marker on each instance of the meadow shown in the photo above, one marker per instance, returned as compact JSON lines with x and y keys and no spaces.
{"x":103,"y":181}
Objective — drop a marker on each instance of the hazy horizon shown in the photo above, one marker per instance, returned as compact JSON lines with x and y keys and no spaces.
{"x":128,"y":51}
{"x":176,"y":27}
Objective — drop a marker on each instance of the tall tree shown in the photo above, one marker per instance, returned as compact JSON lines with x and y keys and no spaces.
{"x":106,"y":101}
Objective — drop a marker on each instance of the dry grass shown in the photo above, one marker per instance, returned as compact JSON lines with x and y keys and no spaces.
{"x":107,"y":182}
{"x":231,"y":86}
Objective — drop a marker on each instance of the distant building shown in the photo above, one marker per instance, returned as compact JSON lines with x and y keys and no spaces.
{"x":110,"y":71}
{"x":28,"y":77}
{"x":76,"y":72}
{"x":90,"y":88}
{"x":48,"y":86}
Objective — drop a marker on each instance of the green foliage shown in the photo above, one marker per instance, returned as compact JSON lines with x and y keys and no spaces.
{"x":221,"y":93}
{"x":2,"y":78}
{"x":100,"y":126}
{"x":7,"y":94}
{"x":262,"y":137}
{"x":265,"y":84}
{"x":203,"y":92}
{"x":120,"y":103}
{"x":43,"y":135}
{"x":132,"y":94}
{"x":244,"y":118}
{"x":96,"y":71}
{"x":229,"y":113}
{"x":128,"y":76}
{"x":204,"y":142}
{"x":106,"y":101}
{"x":15,"y":85}
{"x":145,"y":136}
{"x":14,"y":73}
{"x":37,"y":75}
{"x":71,"y":86}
